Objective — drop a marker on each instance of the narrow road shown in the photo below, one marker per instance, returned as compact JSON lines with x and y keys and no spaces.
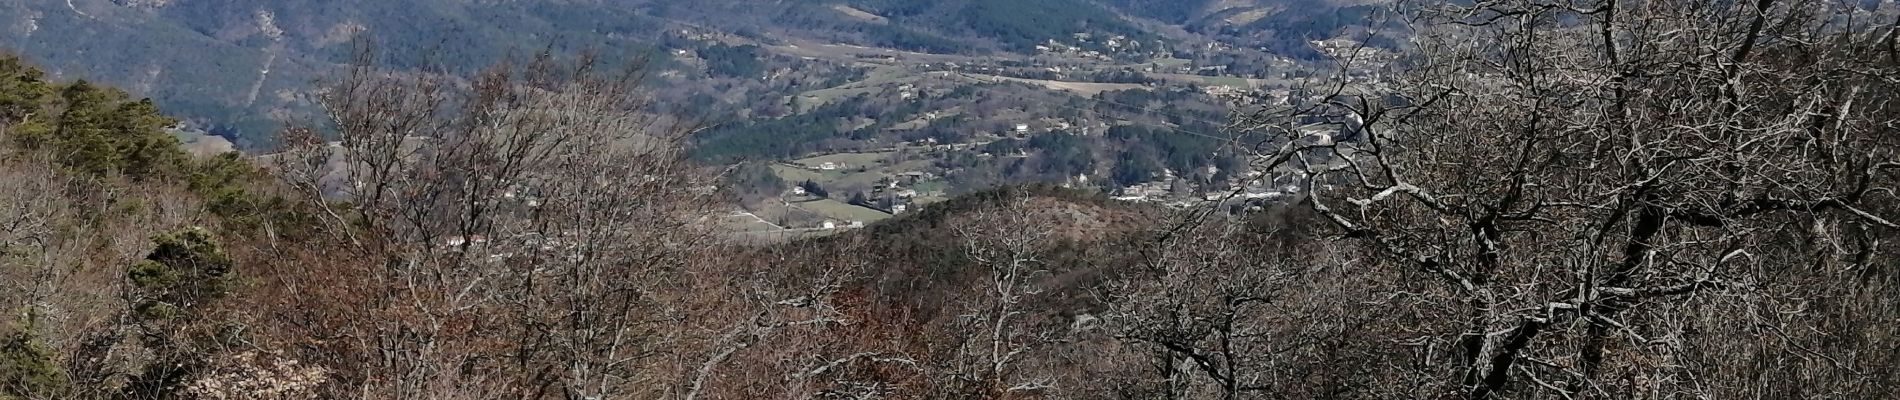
{"x":69,"y":5}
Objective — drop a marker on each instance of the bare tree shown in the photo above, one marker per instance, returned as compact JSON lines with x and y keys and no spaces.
{"x":519,"y":225}
{"x":66,"y":242}
{"x":1244,"y":308}
{"x":1000,"y":333}
{"x":28,"y":232}
{"x":1596,"y":186}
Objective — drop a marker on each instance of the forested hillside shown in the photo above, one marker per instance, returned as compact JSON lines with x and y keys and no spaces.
{"x":239,"y":69}
{"x":771,"y":81}
{"x":1011,"y":25}
{"x":1621,"y":200}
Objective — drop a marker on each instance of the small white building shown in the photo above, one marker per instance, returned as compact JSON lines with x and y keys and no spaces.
{"x":828,"y":166}
{"x":459,"y":241}
{"x":798,"y":190}
{"x":829,"y":225}
{"x":1022,"y":128}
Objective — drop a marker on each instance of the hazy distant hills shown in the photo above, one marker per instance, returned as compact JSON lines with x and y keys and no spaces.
{"x":1018,"y":25}
{"x":238,"y":67}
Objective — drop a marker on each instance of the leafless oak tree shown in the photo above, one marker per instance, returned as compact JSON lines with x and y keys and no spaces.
{"x":519,"y":225}
{"x":1620,"y":199}
{"x":1000,"y":335}
{"x":1247,"y":307}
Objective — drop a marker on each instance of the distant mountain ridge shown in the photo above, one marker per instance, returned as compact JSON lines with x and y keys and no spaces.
{"x":242,"y":65}
{"x":240,"y":68}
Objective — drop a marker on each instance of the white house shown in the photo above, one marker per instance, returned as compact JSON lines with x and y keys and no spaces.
{"x":458,"y":241}
{"x":828,"y":166}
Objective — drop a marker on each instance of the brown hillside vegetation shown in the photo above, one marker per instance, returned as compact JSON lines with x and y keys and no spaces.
{"x":1617,"y":200}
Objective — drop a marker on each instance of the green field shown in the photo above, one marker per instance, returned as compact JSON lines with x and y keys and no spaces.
{"x":846,"y":160}
{"x":1083,"y":88}
{"x":796,"y":174}
{"x":830,"y":179}
{"x":841,"y":211}
{"x":934,"y":187}
{"x":873,"y":83}
{"x":1228,"y":81}
{"x":1172,"y":63}
{"x":745,"y":223}
{"x":875,"y":166}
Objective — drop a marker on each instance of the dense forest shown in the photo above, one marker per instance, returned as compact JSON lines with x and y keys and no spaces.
{"x":1014,"y":25}
{"x":1663,"y":199}
{"x":824,"y":128}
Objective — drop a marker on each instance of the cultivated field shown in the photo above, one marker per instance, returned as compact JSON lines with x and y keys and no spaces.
{"x":841,"y":211}
{"x":846,"y":160}
{"x":1087,"y":89}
